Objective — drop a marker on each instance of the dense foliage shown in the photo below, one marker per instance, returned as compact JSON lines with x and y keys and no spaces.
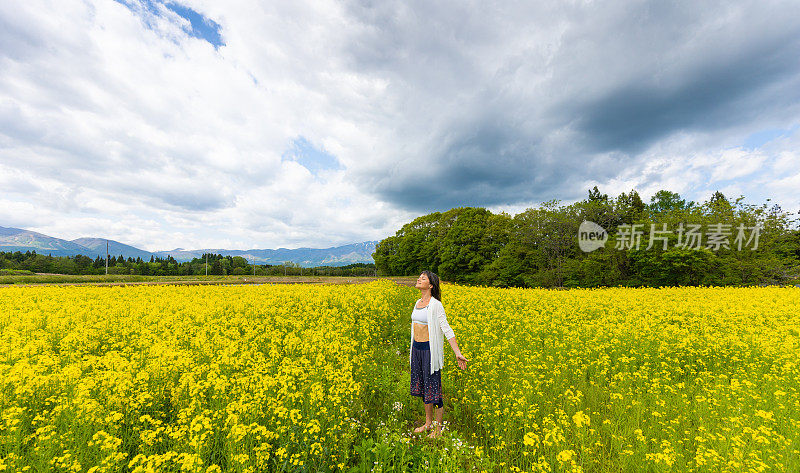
{"x":218,"y":265}
{"x":539,"y":247}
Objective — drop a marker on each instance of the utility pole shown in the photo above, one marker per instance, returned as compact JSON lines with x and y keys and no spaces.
{"x":106,"y":257}
{"x":206,"y":263}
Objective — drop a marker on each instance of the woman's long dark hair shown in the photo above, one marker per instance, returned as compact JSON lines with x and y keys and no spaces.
{"x":436,"y":291}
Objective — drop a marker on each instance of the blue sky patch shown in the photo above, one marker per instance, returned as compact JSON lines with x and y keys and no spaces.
{"x":313,"y":159}
{"x":201,"y":27}
{"x":760,"y":138}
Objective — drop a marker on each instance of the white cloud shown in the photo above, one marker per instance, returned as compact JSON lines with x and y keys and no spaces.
{"x":115,"y":123}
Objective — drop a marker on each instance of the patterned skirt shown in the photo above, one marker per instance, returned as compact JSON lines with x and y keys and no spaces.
{"x":424,"y":384}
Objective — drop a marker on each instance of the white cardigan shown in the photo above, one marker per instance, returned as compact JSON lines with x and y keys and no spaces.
{"x":438,"y":332}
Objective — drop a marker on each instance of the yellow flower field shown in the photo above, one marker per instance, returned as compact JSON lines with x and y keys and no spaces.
{"x":619,"y":379}
{"x":315,"y":378}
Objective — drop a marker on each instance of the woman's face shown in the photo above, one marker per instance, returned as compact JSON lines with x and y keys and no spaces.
{"x":423,"y":282}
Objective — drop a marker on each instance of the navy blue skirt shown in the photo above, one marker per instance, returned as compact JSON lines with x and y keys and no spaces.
{"x":424,"y":384}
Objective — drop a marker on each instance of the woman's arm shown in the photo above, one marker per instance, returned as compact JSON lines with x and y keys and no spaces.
{"x":454,"y":345}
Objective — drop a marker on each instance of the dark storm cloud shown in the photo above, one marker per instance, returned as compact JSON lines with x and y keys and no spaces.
{"x":530,"y":102}
{"x":715,"y":95}
{"x":488,"y":161}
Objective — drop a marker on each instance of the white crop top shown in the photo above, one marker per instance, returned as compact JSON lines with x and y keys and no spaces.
{"x":419,"y":315}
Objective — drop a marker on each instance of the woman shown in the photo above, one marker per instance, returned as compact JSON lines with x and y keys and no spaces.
{"x":428,"y":327}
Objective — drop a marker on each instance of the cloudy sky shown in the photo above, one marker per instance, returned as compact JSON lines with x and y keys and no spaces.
{"x":207,"y":124}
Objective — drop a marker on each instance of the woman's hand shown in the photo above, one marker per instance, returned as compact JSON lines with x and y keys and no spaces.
{"x":462,"y":362}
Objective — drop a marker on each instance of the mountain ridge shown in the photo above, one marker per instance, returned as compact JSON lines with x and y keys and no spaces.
{"x":17,"y":239}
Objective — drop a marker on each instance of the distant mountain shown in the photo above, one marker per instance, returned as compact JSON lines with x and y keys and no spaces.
{"x":15,"y":239}
{"x":98,"y":246}
{"x":306,"y":257}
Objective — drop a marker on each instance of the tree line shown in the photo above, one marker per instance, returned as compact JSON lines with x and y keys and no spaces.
{"x":717,"y":242}
{"x":218,"y":265}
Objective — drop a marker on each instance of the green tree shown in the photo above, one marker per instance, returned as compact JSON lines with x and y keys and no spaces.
{"x":461,"y":253}
{"x":665,"y":201}
{"x":239,"y":262}
{"x":629,"y":207}
{"x":596,"y":196}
